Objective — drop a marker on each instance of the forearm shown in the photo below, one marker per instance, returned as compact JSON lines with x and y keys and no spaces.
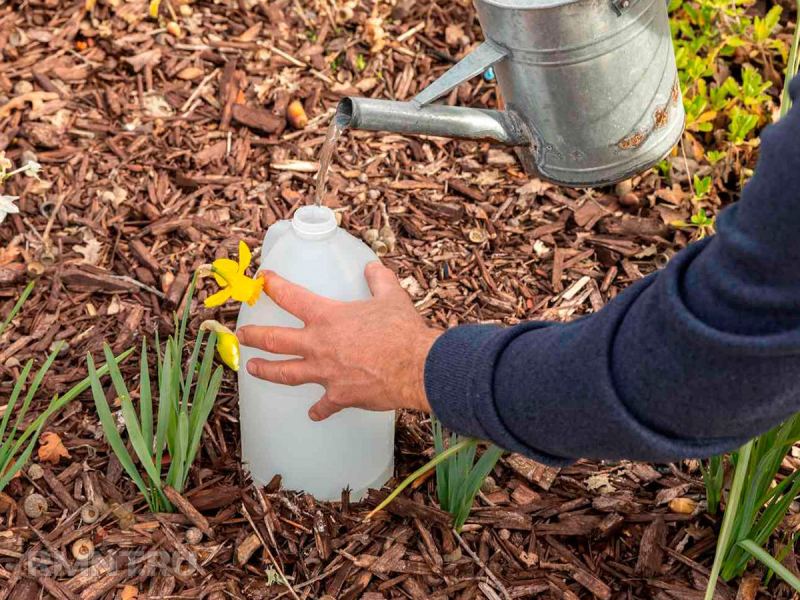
{"x":688,"y":362}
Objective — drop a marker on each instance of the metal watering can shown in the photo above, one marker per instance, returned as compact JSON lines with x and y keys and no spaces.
{"x":590,"y":86}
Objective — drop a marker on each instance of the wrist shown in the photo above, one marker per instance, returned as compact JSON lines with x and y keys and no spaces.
{"x":418,"y":397}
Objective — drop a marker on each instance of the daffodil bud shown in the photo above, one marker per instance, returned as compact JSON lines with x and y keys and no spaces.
{"x":227,"y":343}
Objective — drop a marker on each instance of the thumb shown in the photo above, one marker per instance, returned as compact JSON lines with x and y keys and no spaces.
{"x":381,"y":280}
{"x":323,"y":409}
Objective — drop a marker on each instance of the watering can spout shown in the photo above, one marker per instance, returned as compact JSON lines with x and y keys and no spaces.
{"x":420,"y":117}
{"x":438,"y":120}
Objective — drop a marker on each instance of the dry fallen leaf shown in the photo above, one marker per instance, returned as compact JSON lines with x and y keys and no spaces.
{"x":92,"y":251}
{"x":9,"y":254}
{"x":51,"y":448}
{"x":600,"y":483}
{"x":129,"y":592}
{"x":250,"y":34}
{"x":453,"y":34}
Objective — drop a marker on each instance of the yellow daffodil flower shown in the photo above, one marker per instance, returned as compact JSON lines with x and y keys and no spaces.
{"x":227,"y":343}
{"x":230,"y":275}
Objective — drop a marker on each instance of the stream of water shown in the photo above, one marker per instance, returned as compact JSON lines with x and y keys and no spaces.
{"x":325,"y":156}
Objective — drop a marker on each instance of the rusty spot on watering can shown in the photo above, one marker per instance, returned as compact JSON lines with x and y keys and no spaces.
{"x":661,"y":117}
{"x":675,"y":94}
{"x":633,"y":140}
{"x":660,"y":120}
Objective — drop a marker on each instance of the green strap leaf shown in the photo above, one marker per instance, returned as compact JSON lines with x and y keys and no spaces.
{"x":759,"y":553}
{"x":110,"y":430}
{"x":146,"y":399}
{"x":24,"y":296}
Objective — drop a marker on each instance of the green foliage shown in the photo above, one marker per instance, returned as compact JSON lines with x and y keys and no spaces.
{"x":178,"y":425}
{"x":714,"y":479}
{"x":704,"y":31}
{"x":19,"y":444}
{"x":751,"y":91}
{"x":700,"y":222}
{"x":361,"y":62}
{"x":702,"y":186}
{"x":771,"y":563}
{"x":741,"y":124}
{"x":17,"y":306}
{"x":459,"y":478}
{"x":757,"y":507}
{"x":714,"y":156}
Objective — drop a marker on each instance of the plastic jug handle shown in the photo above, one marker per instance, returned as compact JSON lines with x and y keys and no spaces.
{"x":274,"y":233}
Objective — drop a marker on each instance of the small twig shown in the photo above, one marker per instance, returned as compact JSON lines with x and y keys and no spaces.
{"x":686,"y":164}
{"x":415,"y":29}
{"x":481,"y":564}
{"x":300,"y":63}
{"x":52,"y":219}
{"x":296,"y":62}
{"x":269,"y":553}
{"x":197,"y":91}
{"x":313,"y":580}
{"x":139,"y":284}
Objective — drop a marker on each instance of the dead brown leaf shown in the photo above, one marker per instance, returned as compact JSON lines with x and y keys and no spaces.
{"x":51,"y":448}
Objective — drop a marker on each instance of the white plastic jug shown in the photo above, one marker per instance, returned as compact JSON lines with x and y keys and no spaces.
{"x":353,"y":448}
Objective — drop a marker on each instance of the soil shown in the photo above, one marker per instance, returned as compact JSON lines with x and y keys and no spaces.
{"x":160,"y":152}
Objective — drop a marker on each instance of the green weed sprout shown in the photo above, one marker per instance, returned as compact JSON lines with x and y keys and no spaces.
{"x":700,"y":222}
{"x":178,"y":425}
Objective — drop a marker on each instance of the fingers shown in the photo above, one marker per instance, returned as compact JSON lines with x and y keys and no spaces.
{"x":277,"y":340}
{"x":324,"y":409}
{"x":286,"y":372}
{"x":382,"y":280}
{"x":291,"y":297}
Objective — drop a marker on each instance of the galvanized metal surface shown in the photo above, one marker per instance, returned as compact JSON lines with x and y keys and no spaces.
{"x":437,"y":119}
{"x":594,"y":82}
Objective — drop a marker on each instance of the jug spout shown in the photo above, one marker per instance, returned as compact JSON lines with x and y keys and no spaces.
{"x":502,"y":127}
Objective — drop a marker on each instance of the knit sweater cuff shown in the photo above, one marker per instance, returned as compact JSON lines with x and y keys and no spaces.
{"x":459,"y":381}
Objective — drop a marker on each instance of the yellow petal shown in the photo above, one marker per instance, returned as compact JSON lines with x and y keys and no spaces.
{"x":246,"y":289}
{"x":228,"y":348}
{"x":154,"y":5}
{"x":244,"y":257}
{"x":220,"y":298}
{"x":225,"y":268}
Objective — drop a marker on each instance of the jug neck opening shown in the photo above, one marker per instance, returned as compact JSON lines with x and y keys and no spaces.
{"x":314,"y":222}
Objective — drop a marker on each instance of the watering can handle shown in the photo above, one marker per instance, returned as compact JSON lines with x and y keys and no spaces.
{"x":474,"y":63}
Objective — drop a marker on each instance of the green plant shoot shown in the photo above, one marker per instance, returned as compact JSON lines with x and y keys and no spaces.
{"x":179,"y":423}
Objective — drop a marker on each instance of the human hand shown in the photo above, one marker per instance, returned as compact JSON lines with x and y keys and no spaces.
{"x":367,"y":354}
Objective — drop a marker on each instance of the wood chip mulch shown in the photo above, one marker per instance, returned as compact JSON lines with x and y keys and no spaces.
{"x":159,"y":153}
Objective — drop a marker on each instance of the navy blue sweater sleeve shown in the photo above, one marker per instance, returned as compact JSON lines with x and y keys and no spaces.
{"x":688,"y":362}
